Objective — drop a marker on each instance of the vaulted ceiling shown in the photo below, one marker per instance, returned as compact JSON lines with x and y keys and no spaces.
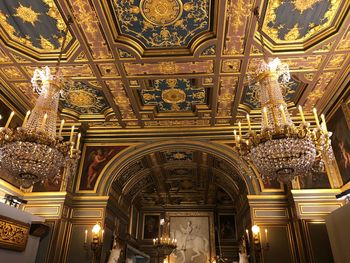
{"x":181,"y":176}
{"x":169,"y":63}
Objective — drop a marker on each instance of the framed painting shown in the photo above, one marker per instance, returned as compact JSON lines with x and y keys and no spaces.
{"x":151,"y":225}
{"x":271,"y":186}
{"x":317,"y":180}
{"x":227,"y":226}
{"x":194,"y":232}
{"x":95,"y":158}
{"x":339,"y":126}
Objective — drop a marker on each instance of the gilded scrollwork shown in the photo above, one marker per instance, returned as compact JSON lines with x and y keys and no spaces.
{"x":39,"y":27}
{"x":297,"y":21}
{"x":13,"y":234}
{"x":159,"y":24}
{"x":173,"y":95}
{"x":84,"y":99}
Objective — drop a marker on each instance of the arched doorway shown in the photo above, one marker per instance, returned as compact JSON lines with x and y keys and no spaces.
{"x":183,"y":179}
{"x":223,"y":152}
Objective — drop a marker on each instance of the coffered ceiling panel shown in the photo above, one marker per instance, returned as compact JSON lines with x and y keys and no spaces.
{"x":298,"y":23}
{"x":34,"y":27}
{"x":161,"y":24}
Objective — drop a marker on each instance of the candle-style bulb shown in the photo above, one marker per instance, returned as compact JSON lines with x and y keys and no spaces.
{"x":240,"y":129}
{"x":9,"y":119}
{"x":61,"y":128}
{"x":25,"y":119}
{"x":266,"y":121}
{"x":316,"y":117}
{"x":249,"y":124}
{"x":71,"y":134}
{"x":324,"y":125}
{"x":78,"y":141}
{"x":301,"y":113}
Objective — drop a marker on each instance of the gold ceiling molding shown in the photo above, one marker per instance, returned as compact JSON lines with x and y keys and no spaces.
{"x":229,"y":48}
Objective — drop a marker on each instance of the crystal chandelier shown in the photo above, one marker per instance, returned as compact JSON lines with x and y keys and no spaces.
{"x":34,"y":152}
{"x":164,"y":244}
{"x":281,"y":150}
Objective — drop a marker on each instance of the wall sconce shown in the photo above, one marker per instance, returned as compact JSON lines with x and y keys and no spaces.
{"x":257,"y":237}
{"x":96,"y":243}
{"x":259,"y":247}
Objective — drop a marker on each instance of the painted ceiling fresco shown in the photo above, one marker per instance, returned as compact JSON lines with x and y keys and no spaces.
{"x":84,"y":99}
{"x":298,"y":20}
{"x":37,"y":25}
{"x":173,"y":95}
{"x":178,"y":63}
{"x":162,"y":23}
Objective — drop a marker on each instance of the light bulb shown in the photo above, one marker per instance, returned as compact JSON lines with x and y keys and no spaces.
{"x":255,"y":229}
{"x":96,"y":229}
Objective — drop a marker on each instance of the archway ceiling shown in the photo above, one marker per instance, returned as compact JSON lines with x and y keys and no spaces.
{"x":181,"y":176}
{"x":152,"y":63}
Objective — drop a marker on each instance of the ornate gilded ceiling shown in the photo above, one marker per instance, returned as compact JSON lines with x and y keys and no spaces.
{"x":35,"y":27}
{"x":174,"y":63}
{"x":162,"y":23}
{"x":181,"y":176}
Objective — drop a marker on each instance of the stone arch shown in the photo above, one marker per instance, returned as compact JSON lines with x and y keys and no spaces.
{"x":115,"y":168}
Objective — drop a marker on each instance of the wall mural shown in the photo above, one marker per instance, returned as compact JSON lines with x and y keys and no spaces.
{"x":272,"y":184}
{"x":49,"y":184}
{"x":317,"y":180}
{"x":194,"y":235}
{"x":34,"y":24}
{"x":341,"y":141}
{"x":162,"y":23}
{"x":94,"y":160}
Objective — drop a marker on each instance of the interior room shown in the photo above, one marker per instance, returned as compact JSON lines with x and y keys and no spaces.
{"x":174,"y":131}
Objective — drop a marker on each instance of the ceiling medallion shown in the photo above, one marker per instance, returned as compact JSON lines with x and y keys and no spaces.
{"x":81,"y":98}
{"x":161,"y":12}
{"x":173,"y":96}
{"x":27,"y":14}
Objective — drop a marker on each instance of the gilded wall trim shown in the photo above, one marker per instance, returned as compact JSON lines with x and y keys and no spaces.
{"x":13,"y":234}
